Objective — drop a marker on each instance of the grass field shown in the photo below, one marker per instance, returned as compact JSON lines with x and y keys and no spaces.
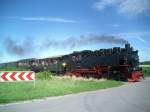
{"x":48,"y":85}
{"x":19,"y":91}
{"x":13,"y":68}
{"x":146,"y":71}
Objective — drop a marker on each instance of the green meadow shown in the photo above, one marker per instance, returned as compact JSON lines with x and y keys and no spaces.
{"x":48,"y":85}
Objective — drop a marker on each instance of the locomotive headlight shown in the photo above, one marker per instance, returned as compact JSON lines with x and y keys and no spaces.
{"x":63,"y":64}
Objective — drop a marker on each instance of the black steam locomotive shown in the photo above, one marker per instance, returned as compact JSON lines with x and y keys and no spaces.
{"x":115,"y":63}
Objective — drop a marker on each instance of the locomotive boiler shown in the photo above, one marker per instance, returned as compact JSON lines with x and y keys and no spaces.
{"x":116,"y":63}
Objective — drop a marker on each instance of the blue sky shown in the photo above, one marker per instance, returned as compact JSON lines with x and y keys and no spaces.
{"x":37,"y":21}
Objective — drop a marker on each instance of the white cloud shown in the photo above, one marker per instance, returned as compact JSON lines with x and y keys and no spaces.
{"x":48,"y":19}
{"x":51,"y":19}
{"x":129,"y":7}
{"x":103,"y":3}
{"x":136,"y":34}
{"x":134,"y":6}
{"x":141,"y":39}
{"x":115,"y":25}
{"x":139,"y":36}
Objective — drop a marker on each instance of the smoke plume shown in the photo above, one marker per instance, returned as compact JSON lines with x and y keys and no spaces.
{"x":30,"y":46}
{"x":83,"y":40}
{"x":17,"y":47}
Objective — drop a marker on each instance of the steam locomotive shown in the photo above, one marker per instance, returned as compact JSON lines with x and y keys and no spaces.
{"x":114,"y":63}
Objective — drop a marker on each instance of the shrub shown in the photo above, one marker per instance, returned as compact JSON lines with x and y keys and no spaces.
{"x":146,"y":71}
{"x":45,"y":75}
